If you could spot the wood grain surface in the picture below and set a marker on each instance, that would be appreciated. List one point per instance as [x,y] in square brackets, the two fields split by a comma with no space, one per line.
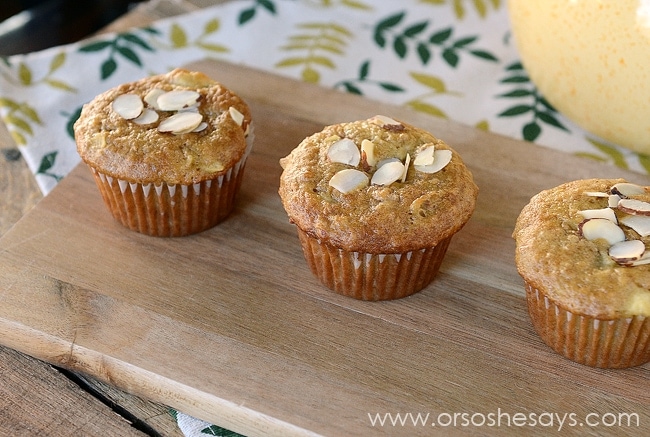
[35,397]
[230,325]
[77,414]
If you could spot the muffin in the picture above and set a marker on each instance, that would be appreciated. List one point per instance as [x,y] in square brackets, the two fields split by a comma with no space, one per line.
[375,203]
[581,250]
[167,152]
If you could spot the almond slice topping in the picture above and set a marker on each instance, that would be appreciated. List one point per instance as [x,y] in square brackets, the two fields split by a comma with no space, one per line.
[383,121]
[425,156]
[625,252]
[202,126]
[645,259]
[386,161]
[193,108]
[605,213]
[407,162]
[633,206]
[612,200]
[388,173]
[176,100]
[344,151]
[639,223]
[440,160]
[595,194]
[603,223]
[148,116]
[596,228]
[237,116]
[128,106]
[180,123]
[348,179]
[626,189]
[368,152]
[152,97]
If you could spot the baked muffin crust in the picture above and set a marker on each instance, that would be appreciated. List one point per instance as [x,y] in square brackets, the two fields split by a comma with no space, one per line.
[403,216]
[140,153]
[578,274]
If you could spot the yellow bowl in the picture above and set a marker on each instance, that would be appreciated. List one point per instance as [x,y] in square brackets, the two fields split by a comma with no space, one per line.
[591,60]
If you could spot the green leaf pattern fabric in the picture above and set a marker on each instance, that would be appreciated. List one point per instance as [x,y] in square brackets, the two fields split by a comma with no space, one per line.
[451,59]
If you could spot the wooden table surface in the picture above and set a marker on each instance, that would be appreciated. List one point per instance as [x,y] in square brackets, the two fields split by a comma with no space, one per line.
[35,397]
[467,336]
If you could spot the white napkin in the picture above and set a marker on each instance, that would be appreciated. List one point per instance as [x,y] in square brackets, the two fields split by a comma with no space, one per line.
[428,55]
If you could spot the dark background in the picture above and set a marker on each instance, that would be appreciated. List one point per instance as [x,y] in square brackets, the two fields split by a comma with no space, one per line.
[31,25]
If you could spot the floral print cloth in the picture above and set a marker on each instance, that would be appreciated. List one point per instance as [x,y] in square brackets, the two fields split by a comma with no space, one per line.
[452,59]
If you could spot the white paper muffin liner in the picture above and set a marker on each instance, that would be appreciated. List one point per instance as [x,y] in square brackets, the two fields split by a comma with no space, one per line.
[616,343]
[172,210]
[368,276]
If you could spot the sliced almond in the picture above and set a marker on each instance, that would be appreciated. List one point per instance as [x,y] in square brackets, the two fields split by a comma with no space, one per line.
[440,160]
[639,223]
[407,162]
[645,259]
[202,126]
[387,123]
[237,116]
[606,213]
[348,180]
[180,123]
[625,252]
[612,200]
[633,206]
[368,152]
[425,156]
[152,97]
[386,161]
[596,194]
[388,173]
[128,106]
[176,100]
[597,228]
[148,116]
[383,121]
[193,108]
[626,189]
[344,151]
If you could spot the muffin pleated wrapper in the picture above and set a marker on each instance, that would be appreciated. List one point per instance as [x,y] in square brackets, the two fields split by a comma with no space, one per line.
[172,210]
[616,343]
[370,276]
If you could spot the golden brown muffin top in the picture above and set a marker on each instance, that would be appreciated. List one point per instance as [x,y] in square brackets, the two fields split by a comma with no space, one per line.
[572,263]
[402,216]
[134,152]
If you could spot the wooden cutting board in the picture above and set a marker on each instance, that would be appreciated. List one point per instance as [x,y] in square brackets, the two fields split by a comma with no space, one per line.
[230,325]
